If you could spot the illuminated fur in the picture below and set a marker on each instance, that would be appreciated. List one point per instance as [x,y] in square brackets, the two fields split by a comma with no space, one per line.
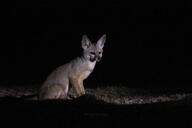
[57,84]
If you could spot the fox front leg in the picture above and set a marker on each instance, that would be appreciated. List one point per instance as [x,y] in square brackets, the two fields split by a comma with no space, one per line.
[82,89]
[76,86]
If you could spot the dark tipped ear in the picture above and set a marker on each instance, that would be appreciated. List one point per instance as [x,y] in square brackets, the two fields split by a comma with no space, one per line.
[85,42]
[101,41]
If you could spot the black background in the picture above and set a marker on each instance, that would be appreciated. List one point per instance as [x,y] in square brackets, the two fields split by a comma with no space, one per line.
[148,42]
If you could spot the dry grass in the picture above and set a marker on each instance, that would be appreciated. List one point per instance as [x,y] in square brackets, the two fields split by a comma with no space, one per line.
[123,95]
[112,94]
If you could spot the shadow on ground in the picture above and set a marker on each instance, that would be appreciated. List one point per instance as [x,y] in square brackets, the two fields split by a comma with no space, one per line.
[88,111]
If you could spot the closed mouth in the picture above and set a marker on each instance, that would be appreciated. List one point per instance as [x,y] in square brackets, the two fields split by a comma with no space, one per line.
[93,59]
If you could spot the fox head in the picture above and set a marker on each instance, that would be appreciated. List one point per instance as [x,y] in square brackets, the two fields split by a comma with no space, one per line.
[93,51]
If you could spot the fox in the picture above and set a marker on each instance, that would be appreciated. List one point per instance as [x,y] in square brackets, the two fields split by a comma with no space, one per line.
[72,74]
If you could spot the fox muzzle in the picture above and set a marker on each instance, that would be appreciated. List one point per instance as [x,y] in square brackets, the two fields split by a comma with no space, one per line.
[92,59]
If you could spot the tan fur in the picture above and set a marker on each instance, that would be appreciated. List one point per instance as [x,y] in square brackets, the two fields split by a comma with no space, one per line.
[57,83]
[77,82]
[53,92]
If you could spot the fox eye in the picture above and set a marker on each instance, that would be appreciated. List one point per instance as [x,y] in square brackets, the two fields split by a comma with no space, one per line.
[99,52]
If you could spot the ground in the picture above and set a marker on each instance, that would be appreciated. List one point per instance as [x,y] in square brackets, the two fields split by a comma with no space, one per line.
[114,106]
[111,94]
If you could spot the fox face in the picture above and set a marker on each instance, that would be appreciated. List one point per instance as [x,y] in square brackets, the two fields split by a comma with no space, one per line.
[93,51]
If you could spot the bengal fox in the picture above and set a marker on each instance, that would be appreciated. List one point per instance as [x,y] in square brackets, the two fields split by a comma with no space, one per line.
[73,73]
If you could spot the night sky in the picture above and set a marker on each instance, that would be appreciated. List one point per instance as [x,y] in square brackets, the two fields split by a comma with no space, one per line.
[148,43]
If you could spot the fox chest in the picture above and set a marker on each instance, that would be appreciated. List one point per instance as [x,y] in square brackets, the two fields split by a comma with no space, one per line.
[85,73]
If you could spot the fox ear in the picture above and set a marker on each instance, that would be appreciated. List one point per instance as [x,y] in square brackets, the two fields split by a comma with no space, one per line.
[101,41]
[85,42]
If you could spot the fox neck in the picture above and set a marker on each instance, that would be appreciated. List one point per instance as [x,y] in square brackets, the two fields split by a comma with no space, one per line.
[91,64]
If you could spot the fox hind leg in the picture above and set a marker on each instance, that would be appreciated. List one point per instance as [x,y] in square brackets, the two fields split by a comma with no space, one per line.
[63,94]
[55,91]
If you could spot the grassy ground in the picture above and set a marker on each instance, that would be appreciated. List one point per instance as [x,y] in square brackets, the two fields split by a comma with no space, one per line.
[101,107]
[112,94]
